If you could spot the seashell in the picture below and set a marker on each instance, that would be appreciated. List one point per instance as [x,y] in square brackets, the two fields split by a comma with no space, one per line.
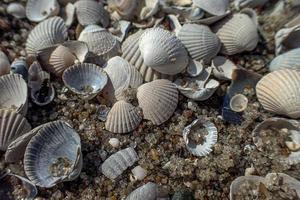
[12,125]
[288,60]
[125,8]
[46,34]
[19,66]
[139,173]
[119,162]
[200,42]
[210,19]
[238,103]
[17,10]
[223,68]
[4,64]
[229,115]
[214,7]
[13,90]
[39,10]
[114,142]
[162,51]
[36,76]
[195,68]
[151,8]
[149,191]
[123,117]
[69,14]
[91,12]
[102,112]
[278,92]
[44,95]
[158,100]
[249,3]
[287,38]
[53,155]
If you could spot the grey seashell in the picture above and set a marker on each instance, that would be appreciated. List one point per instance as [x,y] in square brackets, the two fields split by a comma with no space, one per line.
[195,68]
[288,60]
[39,10]
[214,7]
[119,162]
[45,95]
[223,68]
[53,155]
[287,38]
[238,103]
[249,3]
[4,64]
[19,66]
[200,42]
[149,191]
[17,10]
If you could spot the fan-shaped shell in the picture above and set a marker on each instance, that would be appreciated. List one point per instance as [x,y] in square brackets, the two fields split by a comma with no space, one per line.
[53,155]
[17,10]
[162,51]
[148,191]
[119,162]
[223,68]
[38,10]
[125,8]
[4,64]
[288,60]
[214,7]
[158,100]
[279,92]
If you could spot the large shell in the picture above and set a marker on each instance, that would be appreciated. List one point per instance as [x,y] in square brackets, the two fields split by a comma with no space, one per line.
[125,8]
[149,191]
[53,155]
[123,117]
[38,10]
[158,100]
[200,42]
[4,64]
[119,162]
[288,60]
[17,10]
[162,51]
[46,34]
[214,7]
[223,68]
[279,92]
[287,38]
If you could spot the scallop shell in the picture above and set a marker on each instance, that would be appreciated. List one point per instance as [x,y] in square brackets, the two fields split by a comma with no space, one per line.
[223,68]
[125,8]
[4,64]
[53,146]
[119,162]
[287,38]
[158,100]
[162,51]
[12,125]
[214,7]
[39,10]
[13,90]
[46,34]
[123,117]
[238,103]
[149,191]
[288,60]
[279,92]
[17,10]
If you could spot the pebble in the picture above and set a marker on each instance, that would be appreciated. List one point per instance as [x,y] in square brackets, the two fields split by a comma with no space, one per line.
[139,173]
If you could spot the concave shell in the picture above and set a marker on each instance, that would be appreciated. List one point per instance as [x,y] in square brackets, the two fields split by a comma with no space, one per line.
[149,191]
[36,76]
[210,19]
[287,38]
[238,103]
[13,90]
[123,117]
[38,10]
[279,92]
[119,162]
[223,68]
[162,51]
[85,79]
[17,10]
[125,8]
[158,100]
[91,12]
[12,125]
[46,34]
[200,42]
[46,96]
[195,68]
[53,146]
[214,7]
[288,60]
[4,64]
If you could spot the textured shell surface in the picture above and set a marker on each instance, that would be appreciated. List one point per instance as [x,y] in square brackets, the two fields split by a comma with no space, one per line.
[53,155]
[151,8]
[287,38]
[214,7]
[125,8]
[39,10]
[279,92]
[17,10]
[158,100]
[163,51]
[4,64]
[223,68]
[119,162]
[287,60]
[238,103]
[149,191]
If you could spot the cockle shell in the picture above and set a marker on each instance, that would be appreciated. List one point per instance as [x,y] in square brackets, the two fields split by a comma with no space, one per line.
[238,103]
[123,117]
[214,7]
[287,60]
[119,162]
[17,10]
[125,8]
[223,68]
[158,100]
[279,92]
[53,155]
[287,38]
[149,191]
[162,51]
[4,64]
[249,3]
[38,10]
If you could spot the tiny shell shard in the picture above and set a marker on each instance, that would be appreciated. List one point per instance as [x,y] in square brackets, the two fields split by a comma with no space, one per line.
[38,10]
[223,68]
[119,162]
[149,191]
[214,7]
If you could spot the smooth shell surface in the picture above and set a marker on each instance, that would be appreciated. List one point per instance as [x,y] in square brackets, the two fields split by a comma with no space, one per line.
[238,103]
[4,64]
[223,68]
[288,60]
[214,7]
[19,66]
[17,10]
[149,191]
[38,10]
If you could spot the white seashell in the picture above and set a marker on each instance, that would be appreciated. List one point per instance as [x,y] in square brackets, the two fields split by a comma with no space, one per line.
[114,142]
[119,162]
[223,68]
[123,117]
[149,191]
[139,173]
[17,10]
[125,8]
[288,60]
[39,10]
[158,100]
[19,66]
[4,64]
[200,42]
[151,8]
[279,92]
[249,3]
[195,68]
[214,7]
[287,38]
[53,155]
[238,103]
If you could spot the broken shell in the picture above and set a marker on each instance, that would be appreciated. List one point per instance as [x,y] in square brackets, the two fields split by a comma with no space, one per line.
[4,64]
[194,68]
[19,66]
[288,60]
[36,76]
[214,7]
[69,14]
[249,3]
[125,8]
[162,51]
[238,103]
[38,10]
[139,173]
[114,142]
[53,155]
[279,92]
[17,10]
[119,162]
[44,95]
[149,191]
[158,100]
[287,38]
[223,68]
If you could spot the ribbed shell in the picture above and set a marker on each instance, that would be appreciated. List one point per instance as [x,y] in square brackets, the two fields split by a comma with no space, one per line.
[158,100]
[12,125]
[123,117]
[38,10]
[119,162]
[279,92]
[149,191]
[4,64]
[45,34]
[57,140]
[200,42]
[214,7]
[17,10]
[288,60]
[163,51]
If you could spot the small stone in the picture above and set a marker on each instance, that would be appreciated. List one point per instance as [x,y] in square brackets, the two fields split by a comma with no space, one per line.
[139,173]
[249,171]
[114,142]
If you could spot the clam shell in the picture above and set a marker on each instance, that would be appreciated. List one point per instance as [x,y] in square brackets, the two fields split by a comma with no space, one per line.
[287,38]
[4,64]
[123,117]
[279,92]
[214,7]
[53,146]
[288,60]
[149,191]
[12,125]
[69,14]
[39,10]
[238,103]
[119,162]
[125,8]
[158,100]
[200,42]
[223,68]
[162,51]
[17,10]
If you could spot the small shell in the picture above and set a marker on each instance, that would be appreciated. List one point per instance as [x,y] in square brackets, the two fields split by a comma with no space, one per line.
[17,10]
[214,7]
[238,103]
[119,162]
[69,14]
[223,68]
[249,3]
[288,60]
[53,155]
[158,100]
[39,10]
[123,117]
[279,92]
[125,8]
[4,64]
[149,191]
[162,51]
[229,115]
[139,173]
[19,66]
[287,38]
[195,68]
[36,76]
